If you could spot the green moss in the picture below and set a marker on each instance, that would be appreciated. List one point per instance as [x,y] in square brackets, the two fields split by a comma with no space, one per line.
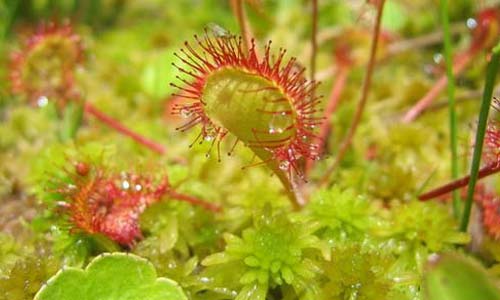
[275,251]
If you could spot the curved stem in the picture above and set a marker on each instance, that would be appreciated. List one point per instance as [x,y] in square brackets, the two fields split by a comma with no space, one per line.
[314,40]
[239,12]
[91,109]
[459,183]
[364,95]
[193,200]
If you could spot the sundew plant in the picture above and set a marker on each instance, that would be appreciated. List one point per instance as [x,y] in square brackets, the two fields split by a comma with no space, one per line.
[249,149]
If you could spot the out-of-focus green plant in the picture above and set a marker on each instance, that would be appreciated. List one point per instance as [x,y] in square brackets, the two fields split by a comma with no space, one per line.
[344,216]
[274,252]
[455,277]
[422,229]
[111,276]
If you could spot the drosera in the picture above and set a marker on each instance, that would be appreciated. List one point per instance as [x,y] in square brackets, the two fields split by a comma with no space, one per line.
[44,72]
[44,68]
[264,102]
[97,201]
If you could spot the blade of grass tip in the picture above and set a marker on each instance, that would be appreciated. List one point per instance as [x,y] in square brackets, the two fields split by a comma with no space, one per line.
[491,73]
[443,8]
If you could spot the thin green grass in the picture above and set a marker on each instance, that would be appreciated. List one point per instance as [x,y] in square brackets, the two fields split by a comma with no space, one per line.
[491,73]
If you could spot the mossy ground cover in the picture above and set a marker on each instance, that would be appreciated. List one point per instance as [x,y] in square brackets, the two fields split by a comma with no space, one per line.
[97,153]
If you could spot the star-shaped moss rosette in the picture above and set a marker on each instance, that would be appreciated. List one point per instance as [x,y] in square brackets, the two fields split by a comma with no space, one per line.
[358,273]
[274,252]
[44,69]
[116,276]
[343,215]
[268,106]
[423,229]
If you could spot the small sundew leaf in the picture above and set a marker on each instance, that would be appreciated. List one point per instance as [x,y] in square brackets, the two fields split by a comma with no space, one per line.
[116,276]
[452,277]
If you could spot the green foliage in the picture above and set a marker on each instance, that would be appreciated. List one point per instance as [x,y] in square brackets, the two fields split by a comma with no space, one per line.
[27,275]
[275,251]
[456,277]
[344,216]
[109,277]
[357,273]
[426,225]
[364,238]
[421,229]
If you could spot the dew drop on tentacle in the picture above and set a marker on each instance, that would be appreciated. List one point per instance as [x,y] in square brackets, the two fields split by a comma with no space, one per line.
[185,112]
[125,184]
[284,165]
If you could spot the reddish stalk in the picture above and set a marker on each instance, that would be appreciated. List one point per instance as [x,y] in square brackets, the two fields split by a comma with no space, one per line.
[246,32]
[91,109]
[458,67]
[483,37]
[364,94]
[314,40]
[331,107]
[193,200]
[461,182]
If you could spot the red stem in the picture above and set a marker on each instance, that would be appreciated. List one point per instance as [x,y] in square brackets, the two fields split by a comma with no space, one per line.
[91,109]
[314,40]
[193,200]
[364,95]
[461,182]
[238,10]
[458,67]
[331,107]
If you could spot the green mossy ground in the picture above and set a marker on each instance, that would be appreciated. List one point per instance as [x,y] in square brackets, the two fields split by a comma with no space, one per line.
[364,237]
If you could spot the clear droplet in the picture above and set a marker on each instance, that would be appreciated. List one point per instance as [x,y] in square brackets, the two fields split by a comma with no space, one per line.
[438,58]
[125,185]
[273,129]
[185,113]
[42,101]
[208,137]
[471,23]
[284,165]
[138,187]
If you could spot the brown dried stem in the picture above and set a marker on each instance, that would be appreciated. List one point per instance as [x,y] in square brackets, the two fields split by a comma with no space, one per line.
[364,95]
